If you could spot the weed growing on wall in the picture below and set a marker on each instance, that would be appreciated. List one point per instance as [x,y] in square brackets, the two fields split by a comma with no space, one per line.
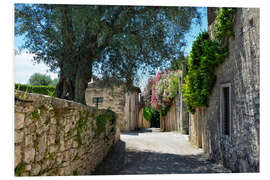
[19,170]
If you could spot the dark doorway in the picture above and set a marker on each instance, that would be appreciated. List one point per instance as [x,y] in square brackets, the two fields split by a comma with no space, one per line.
[155,119]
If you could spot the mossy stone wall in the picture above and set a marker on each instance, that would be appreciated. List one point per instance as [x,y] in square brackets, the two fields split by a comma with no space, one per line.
[59,137]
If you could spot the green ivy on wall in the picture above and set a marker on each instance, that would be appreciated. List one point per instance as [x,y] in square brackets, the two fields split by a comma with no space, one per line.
[102,119]
[223,25]
[205,56]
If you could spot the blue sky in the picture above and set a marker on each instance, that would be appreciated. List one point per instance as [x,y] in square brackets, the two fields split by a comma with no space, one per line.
[24,67]
[190,37]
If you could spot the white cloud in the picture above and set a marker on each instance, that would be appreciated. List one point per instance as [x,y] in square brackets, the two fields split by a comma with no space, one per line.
[24,67]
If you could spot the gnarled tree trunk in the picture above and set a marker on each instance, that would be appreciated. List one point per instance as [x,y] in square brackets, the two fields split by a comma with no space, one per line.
[80,88]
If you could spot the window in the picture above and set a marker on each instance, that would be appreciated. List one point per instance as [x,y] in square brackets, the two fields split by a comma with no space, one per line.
[97,100]
[225,109]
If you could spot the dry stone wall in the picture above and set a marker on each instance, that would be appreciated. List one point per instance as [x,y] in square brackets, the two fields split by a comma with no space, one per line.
[59,137]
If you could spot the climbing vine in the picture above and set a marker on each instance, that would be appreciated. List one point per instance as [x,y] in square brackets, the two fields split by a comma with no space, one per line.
[102,119]
[205,56]
[223,25]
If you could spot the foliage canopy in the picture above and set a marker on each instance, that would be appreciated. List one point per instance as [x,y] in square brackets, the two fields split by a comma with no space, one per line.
[108,41]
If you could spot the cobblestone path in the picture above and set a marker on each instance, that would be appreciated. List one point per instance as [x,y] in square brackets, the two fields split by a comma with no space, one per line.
[156,153]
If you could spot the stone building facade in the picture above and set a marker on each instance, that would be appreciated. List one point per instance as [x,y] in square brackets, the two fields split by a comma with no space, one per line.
[228,129]
[124,103]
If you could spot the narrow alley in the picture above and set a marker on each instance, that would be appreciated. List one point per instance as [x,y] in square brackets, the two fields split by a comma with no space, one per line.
[154,152]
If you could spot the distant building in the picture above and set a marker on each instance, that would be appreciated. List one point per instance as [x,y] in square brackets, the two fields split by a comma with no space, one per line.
[124,102]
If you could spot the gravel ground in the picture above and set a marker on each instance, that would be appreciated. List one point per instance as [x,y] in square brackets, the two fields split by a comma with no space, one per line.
[154,152]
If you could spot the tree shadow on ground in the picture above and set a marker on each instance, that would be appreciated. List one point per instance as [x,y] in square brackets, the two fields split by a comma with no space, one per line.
[131,133]
[123,162]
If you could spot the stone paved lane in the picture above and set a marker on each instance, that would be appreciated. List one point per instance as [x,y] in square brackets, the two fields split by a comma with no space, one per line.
[156,153]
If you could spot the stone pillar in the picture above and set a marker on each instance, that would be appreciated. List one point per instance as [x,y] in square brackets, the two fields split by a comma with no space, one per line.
[184,115]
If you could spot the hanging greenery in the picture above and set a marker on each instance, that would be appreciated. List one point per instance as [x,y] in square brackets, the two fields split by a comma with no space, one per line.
[205,56]
[223,25]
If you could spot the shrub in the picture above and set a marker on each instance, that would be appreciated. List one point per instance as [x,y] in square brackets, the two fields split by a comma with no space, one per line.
[150,114]
[165,88]
[205,55]
[46,90]
[147,113]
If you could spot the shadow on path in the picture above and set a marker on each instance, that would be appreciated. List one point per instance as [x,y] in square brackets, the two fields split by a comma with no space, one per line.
[143,130]
[122,162]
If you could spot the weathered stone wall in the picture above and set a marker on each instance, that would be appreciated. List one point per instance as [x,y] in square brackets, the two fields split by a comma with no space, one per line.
[59,137]
[131,112]
[240,150]
[142,122]
[170,122]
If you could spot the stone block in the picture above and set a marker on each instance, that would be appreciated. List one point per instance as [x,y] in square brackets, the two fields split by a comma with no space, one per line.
[19,120]
[29,154]
[68,144]
[64,164]
[59,159]
[28,140]
[53,129]
[18,136]
[53,120]
[66,156]
[42,144]
[62,146]
[28,120]
[51,139]
[75,144]
[52,148]
[39,156]
[67,127]
[28,167]
[43,129]
[18,156]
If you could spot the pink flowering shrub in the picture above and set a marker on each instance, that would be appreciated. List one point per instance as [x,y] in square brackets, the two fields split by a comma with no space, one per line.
[165,87]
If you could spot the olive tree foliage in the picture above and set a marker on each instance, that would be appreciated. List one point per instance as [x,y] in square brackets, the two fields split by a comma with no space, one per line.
[109,41]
